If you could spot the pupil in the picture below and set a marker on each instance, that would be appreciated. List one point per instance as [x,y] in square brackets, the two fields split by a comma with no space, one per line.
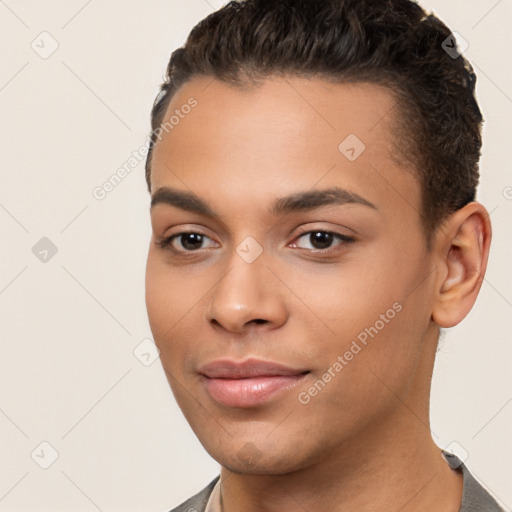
[321,239]
[191,240]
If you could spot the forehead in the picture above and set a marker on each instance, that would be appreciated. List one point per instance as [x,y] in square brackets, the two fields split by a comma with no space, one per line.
[287,133]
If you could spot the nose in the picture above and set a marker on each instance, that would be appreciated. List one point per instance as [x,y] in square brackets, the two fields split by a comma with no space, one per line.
[249,296]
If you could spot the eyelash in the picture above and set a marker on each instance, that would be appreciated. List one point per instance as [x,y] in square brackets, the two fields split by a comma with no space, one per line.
[343,239]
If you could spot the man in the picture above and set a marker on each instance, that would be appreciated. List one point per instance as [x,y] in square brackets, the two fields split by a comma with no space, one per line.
[312,169]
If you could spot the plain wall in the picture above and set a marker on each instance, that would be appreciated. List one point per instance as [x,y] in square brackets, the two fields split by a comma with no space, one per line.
[69,325]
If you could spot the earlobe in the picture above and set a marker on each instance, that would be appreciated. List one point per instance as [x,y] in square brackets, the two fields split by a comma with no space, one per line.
[463,249]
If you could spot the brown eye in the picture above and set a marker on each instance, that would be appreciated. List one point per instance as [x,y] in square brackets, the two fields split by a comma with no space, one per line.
[185,242]
[190,241]
[322,240]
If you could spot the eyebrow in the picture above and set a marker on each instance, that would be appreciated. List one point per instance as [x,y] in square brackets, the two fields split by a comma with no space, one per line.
[297,202]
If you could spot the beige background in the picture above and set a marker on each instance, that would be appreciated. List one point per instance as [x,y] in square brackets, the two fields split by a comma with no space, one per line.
[70,325]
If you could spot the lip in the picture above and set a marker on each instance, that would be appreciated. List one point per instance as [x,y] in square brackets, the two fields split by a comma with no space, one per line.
[252,367]
[250,382]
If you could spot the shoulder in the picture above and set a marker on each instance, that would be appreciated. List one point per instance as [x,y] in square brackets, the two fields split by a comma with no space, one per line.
[474,497]
[197,503]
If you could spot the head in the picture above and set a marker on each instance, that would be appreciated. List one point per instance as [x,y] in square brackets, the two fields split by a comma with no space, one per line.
[325,168]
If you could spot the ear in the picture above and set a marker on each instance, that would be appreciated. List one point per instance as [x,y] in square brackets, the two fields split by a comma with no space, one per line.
[462,249]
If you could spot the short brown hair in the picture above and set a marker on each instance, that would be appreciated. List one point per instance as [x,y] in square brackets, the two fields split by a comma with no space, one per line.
[394,43]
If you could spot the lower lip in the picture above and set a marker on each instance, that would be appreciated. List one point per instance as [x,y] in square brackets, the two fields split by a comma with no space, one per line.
[249,392]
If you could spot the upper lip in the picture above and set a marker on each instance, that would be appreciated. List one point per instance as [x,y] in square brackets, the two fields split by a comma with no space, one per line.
[229,369]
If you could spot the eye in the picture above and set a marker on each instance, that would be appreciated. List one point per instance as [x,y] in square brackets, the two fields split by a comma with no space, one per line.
[185,242]
[318,240]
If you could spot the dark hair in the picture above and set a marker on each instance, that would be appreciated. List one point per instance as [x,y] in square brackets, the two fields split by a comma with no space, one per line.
[394,43]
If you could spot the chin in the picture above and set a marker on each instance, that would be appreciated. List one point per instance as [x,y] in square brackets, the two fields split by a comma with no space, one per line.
[250,460]
[259,468]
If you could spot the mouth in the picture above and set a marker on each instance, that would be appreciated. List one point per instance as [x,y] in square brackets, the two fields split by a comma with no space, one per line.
[248,383]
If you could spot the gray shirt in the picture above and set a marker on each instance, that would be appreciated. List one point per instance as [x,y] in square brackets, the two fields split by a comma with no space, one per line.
[474,497]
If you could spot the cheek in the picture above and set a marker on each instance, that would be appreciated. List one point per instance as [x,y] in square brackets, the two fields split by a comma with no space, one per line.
[363,312]
[166,301]
[168,292]
[156,295]
[365,372]
[175,307]
[383,352]
[339,301]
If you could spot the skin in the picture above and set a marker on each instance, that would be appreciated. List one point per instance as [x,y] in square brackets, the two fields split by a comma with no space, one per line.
[352,446]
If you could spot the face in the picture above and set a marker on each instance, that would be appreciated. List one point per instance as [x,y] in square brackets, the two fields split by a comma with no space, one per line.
[285,231]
